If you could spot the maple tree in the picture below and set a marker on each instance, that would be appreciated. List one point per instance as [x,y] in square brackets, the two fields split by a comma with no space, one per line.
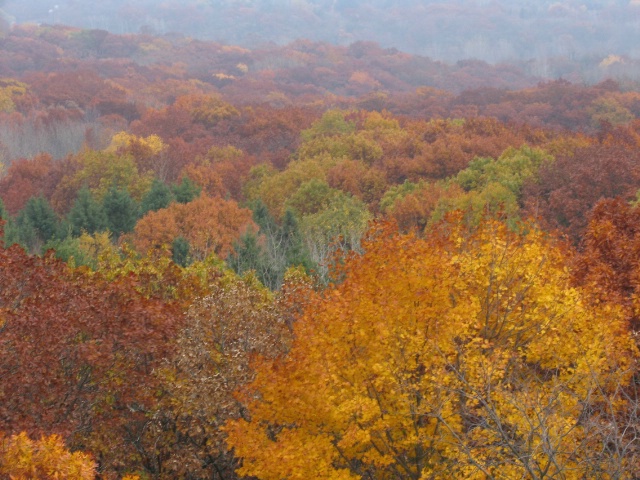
[77,354]
[465,354]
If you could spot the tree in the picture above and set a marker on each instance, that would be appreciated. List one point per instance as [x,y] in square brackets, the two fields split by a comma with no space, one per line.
[46,459]
[87,215]
[237,320]
[276,248]
[36,224]
[180,251]
[310,198]
[336,228]
[209,225]
[150,153]
[159,196]
[121,211]
[567,189]
[607,260]
[186,191]
[274,190]
[332,123]
[77,356]
[101,172]
[26,178]
[413,205]
[460,355]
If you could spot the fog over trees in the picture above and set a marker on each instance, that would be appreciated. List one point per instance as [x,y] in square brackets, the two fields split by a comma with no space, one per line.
[493,31]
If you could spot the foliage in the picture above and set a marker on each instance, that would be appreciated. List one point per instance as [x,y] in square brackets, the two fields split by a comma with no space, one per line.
[45,459]
[185,191]
[332,123]
[464,355]
[137,159]
[159,196]
[511,170]
[36,224]
[210,225]
[413,206]
[77,355]
[270,253]
[206,109]
[569,188]
[224,330]
[607,261]
[87,215]
[103,171]
[180,251]
[274,190]
[11,90]
[155,276]
[337,228]
[121,211]
[26,178]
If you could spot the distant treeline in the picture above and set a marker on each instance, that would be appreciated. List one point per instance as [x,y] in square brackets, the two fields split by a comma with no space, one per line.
[547,36]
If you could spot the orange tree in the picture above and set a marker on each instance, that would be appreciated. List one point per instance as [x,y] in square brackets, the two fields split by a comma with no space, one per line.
[210,225]
[460,355]
[47,459]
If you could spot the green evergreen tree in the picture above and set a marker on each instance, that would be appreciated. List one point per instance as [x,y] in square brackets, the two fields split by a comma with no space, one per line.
[86,214]
[159,196]
[11,234]
[68,250]
[186,191]
[9,231]
[121,211]
[296,251]
[180,252]
[35,224]
[248,255]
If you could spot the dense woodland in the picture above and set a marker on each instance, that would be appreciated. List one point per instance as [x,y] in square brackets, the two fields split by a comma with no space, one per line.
[312,261]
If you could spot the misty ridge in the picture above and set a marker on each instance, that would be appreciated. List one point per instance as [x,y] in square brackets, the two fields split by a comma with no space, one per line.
[547,38]
[414,58]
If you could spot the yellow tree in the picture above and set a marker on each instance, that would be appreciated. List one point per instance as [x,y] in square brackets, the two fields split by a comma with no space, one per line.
[100,171]
[44,459]
[460,355]
[150,153]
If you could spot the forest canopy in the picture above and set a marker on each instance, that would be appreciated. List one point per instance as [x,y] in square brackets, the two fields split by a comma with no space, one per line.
[313,260]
